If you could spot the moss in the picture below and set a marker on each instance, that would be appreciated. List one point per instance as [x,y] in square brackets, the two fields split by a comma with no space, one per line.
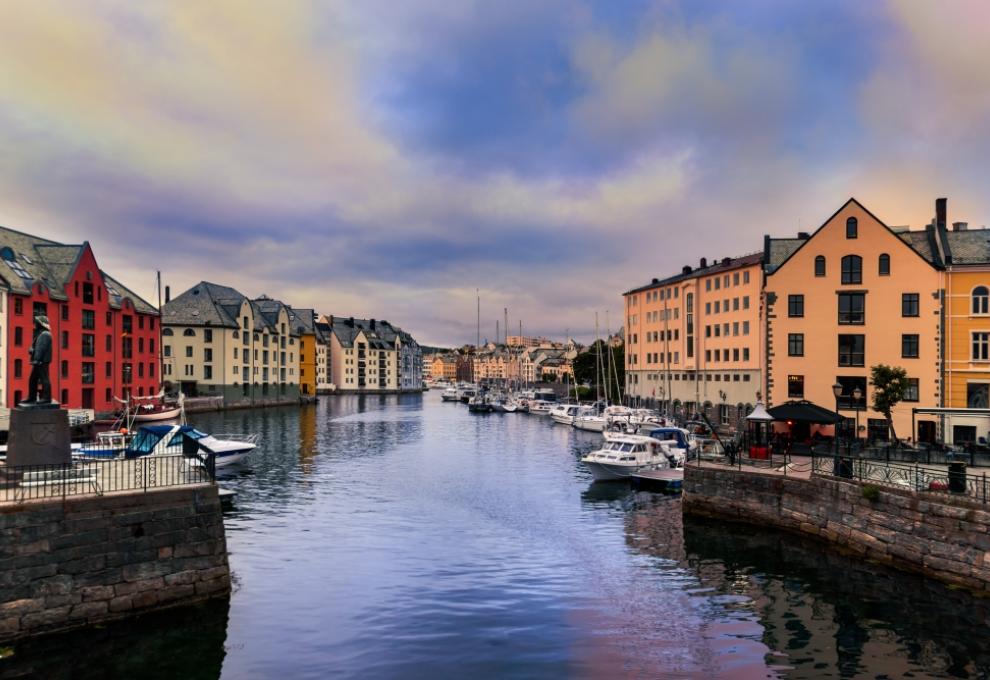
[871,493]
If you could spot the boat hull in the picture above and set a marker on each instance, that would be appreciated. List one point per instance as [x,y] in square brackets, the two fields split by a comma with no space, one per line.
[562,420]
[604,472]
[590,425]
[170,414]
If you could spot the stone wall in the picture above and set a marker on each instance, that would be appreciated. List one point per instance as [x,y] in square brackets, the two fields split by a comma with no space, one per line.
[941,536]
[92,559]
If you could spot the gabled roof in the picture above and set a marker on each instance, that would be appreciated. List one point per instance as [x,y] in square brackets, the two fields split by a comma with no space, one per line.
[716,267]
[302,321]
[379,334]
[31,259]
[205,304]
[967,247]
[779,251]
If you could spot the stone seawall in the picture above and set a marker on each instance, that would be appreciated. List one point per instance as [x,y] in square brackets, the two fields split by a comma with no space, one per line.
[93,559]
[940,536]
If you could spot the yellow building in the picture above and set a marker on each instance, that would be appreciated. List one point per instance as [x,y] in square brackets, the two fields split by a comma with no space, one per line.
[854,294]
[693,340]
[967,329]
[303,322]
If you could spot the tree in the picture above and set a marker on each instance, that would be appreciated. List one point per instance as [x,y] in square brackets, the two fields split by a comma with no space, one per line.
[889,383]
[586,373]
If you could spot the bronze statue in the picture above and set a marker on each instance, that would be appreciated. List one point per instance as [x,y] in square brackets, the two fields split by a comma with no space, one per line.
[41,358]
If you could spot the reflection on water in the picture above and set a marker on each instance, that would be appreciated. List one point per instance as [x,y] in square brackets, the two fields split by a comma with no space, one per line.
[400,537]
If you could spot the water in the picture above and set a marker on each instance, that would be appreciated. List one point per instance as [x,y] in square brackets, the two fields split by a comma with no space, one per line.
[400,537]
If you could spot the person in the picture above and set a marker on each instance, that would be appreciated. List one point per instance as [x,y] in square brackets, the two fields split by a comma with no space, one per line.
[41,357]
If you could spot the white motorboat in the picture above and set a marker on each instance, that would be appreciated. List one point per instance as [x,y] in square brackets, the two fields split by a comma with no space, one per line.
[539,407]
[622,455]
[450,394]
[465,393]
[591,422]
[565,414]
[510,406]
[171,439]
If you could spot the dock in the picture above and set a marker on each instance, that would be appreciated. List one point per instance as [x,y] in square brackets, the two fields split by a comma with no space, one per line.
[669,481]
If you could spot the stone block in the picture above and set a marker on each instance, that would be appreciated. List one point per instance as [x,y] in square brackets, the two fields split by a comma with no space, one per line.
[148,598]
[121,604]
[182,578]
[145,570]
[39,437]
[9,626]
[177,593]
[20,607]
[83,565]
[89,610]
[46,619]
[138,586]
[213,586]
[92,593]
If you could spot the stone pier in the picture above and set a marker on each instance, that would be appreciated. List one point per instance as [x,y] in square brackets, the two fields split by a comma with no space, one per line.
[90,559]
[939,535]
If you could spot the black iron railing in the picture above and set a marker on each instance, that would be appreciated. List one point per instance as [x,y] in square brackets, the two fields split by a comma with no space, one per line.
[98,476]
[955,479]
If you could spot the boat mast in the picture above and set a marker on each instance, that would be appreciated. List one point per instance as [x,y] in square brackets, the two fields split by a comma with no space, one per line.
[161,350]
[598,363]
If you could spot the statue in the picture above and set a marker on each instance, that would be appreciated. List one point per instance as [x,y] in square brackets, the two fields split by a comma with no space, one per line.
[41,358]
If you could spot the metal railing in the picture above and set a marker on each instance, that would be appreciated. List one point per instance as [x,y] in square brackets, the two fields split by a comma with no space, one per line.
[954,480]
[99,476]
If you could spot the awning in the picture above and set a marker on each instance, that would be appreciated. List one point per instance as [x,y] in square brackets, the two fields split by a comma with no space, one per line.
[759,414]
[804,412]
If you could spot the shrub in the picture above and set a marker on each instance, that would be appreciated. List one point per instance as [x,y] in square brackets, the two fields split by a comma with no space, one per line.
[871,493]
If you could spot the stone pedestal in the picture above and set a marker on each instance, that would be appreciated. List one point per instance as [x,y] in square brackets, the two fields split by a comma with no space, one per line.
[39,436]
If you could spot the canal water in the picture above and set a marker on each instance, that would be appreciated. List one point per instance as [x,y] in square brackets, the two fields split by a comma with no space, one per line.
[402,537]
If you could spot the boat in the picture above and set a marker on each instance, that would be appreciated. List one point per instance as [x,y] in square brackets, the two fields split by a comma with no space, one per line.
[623,455]
[480,404]
[153,440]
[539,407]
[153,408]
[509,406]
[450,394]
[565,414]
[591,422]
[110,444]
[466,392]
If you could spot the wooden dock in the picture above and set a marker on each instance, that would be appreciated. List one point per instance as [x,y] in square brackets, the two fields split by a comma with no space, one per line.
[669,481]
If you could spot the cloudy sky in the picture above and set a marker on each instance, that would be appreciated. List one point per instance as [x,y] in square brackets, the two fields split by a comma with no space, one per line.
[385,159]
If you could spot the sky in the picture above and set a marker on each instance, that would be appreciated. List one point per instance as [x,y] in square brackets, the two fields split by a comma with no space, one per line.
[387,159]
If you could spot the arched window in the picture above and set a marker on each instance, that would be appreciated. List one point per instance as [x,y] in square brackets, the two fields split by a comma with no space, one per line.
[981,300]
[820,265]
[852,269]
[189,333]
[167,332]
[884,265]
[852,228]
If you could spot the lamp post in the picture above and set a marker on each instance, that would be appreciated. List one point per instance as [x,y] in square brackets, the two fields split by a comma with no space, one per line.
[857,394]
[837,391]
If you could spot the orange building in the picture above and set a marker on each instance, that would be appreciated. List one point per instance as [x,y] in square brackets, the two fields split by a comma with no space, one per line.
[855,294]
[693,341]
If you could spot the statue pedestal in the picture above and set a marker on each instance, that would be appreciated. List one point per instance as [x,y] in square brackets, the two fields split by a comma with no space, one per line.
[39,436]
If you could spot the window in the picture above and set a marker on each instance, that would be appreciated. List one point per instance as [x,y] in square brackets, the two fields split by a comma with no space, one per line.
[109,369]
[795,345]
[981,346]
[127,347]
[127,372]
[88,374]
[88,320]
[208,335]
[852,308]
[65,339]
[18,369]
[978,395]
[189,352]
[795,305]
[167,350]
[909,346]
[109,343]
[852,269]
[88,345]
[18,334]
[883,265]
[207,354]
[852,228]
[189,333]
[909,304]
[981,300]
[18,306]
[128,324]
[795,386]
[65,368]
[820,265]
[87,293]
[207,372]
[167,332]
[852,350]
[912,391]
[65,312]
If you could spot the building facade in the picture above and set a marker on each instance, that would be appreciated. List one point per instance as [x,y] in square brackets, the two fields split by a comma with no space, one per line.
[370,355]
[218,342]
[324,382]
[693,340]
[105,338]
[853,295]
[303,322]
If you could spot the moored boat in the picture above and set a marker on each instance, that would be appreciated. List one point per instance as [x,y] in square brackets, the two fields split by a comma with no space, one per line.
[450,394]
[172,439]
[622,455]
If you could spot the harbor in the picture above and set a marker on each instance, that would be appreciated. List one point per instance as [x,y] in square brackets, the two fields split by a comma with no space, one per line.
[443,543]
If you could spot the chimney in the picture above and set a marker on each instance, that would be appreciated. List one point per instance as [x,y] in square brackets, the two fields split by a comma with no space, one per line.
[656,281]
[350,321]
[168,294]
[803,235]
[703,263]
[372,324]
[686,269]
[960,226]
[726,261]
[940,205]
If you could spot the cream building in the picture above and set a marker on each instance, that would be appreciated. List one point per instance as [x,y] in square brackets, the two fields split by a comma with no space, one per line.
[368,355]
[218,342]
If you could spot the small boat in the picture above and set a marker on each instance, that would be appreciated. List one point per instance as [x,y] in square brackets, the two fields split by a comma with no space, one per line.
[466,393]
[623,455]
[173,439]
[539,407]
[591,422]
[109,444]
[154,408]
[565,414]
[480,404]
[510,406]
[450,394]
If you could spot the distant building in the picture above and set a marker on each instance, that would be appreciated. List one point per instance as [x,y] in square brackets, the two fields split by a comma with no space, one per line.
[369,355]
[218,342]
[105,337]
[324,381]
[525,341]
[303,322]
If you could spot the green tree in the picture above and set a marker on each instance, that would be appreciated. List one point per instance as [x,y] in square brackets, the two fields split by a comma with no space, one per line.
[889,383]
[587,373]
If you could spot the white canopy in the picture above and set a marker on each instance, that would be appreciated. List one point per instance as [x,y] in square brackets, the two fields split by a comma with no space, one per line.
[759,414]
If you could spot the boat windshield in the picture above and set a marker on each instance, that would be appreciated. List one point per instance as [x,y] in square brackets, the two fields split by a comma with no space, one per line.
[145,441]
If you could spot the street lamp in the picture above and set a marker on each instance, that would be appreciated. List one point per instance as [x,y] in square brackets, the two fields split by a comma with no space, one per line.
[857,394]
[837,391]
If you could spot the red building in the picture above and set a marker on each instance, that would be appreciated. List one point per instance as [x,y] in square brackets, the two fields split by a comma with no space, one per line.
[105,339]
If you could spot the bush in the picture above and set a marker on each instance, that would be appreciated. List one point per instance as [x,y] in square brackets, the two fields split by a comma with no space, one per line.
[871,493]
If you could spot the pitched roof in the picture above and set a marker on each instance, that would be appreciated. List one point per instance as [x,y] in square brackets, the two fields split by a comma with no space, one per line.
[205,304]
[968,247]
[717,267]
[380,334]
[28,259]
[777,250]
